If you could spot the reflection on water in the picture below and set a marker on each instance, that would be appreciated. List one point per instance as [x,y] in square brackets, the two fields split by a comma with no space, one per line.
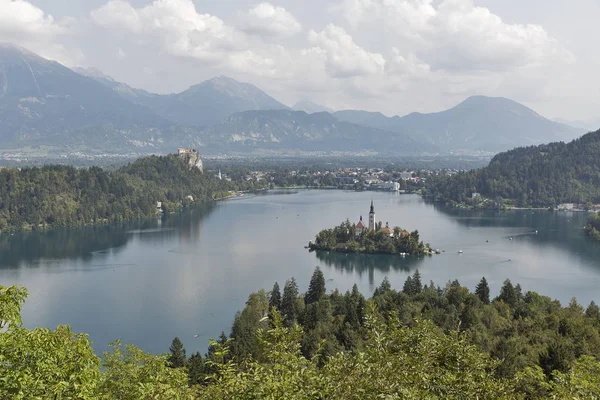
[367,263]
[547,228]
[87,243]
[185,274]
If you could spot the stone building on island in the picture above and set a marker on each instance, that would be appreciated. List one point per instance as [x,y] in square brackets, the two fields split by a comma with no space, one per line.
[360,227]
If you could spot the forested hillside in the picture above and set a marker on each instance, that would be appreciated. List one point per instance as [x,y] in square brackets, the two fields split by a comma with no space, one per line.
[536,176]
[54,196]
[419,342]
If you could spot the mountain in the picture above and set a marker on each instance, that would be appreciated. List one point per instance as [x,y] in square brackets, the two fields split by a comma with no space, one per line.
[141,97]
[310,107]
[42,101]
[296,130]
[479,123]
[204,104]
[536,176]
[590,124]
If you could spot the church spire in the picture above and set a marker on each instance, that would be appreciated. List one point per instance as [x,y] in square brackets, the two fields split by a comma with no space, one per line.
[372,217]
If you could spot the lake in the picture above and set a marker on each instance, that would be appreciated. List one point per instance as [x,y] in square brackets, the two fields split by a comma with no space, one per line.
[184,275]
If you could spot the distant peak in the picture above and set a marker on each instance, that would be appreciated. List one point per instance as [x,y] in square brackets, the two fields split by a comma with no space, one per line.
[16,48]
[92,72]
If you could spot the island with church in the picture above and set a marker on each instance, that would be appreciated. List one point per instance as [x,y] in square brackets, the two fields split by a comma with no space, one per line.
[373,238]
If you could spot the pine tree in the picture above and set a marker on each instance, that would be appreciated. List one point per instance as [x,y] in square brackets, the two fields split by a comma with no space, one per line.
[508,294]
[195,369]
[177,359]
[289,306]
[275,297]
[385,286]
[316,288]
[408,286]
[482,290]
[416,281]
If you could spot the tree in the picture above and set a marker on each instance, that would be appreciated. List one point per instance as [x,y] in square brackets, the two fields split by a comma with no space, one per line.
[195,366]
[416,282]
[131,374]
[508,294]
[482,290]
[385,286]
[275,297]
[11,301]
[177,359]
[408,286]
[316,288]
[289,305]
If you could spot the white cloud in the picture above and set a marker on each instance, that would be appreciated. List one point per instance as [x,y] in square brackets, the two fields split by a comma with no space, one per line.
[24,24]
[343,57]
[175,25]
[21,18]
[267,19]
[456,34]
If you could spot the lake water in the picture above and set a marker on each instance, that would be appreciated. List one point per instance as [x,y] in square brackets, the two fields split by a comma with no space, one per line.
[147,282]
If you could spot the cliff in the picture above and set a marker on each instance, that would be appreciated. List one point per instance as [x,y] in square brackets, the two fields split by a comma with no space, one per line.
[192,158]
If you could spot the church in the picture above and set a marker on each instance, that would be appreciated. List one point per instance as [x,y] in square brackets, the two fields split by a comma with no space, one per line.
[360,226]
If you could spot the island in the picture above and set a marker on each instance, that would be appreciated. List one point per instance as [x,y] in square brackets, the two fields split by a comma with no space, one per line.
[592,229]
[372,239]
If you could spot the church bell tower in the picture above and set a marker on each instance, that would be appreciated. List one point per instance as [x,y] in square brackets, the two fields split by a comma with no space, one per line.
[372,217]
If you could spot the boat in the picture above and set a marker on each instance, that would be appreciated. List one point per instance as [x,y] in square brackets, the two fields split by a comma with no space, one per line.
[460,252]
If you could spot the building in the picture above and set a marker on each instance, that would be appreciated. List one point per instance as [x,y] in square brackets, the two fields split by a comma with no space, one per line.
[389,231]
[181,150]
[372,217]
[359,228]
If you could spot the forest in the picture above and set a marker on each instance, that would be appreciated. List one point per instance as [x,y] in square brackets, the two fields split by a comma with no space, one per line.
[592,229]
[535,176]
[378,241]
[420,341]
[59,196]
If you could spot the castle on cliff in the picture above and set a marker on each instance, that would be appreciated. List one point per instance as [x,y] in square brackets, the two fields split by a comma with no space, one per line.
[191,157]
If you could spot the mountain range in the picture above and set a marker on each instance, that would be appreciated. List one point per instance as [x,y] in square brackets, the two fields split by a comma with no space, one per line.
[490,124]
[45,103]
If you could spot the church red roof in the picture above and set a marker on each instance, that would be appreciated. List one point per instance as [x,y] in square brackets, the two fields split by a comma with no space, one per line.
[360,224]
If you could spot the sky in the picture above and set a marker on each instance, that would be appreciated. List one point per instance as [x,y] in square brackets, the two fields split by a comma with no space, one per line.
[393,56]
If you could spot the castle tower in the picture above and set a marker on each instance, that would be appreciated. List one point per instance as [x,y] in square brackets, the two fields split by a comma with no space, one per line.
[372,217]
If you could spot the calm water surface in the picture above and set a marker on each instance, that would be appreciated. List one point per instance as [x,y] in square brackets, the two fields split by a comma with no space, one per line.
[146,282]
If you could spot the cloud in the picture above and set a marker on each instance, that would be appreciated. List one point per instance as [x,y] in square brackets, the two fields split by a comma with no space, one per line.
[343,57]
[175,25]
[264,18]
[456,34]
[24,24]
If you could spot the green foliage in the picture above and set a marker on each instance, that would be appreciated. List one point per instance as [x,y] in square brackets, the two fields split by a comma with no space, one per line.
[275,297]
[177,358]
[45,364]
[535,176]
[246,323]
[316,288]
[289,302]
[195,366]
[415,344]
[482,290]
[593,227]
[131,374]
[343,238]
[57,196]
[11,301]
